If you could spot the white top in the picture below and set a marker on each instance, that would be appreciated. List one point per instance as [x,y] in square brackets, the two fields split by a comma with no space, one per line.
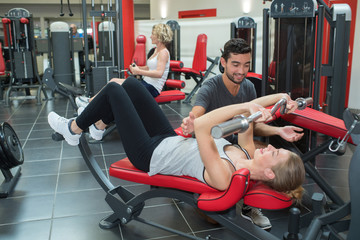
[180,156]
[158,83]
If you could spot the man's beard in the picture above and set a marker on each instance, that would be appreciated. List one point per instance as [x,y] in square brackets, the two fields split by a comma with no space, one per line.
[232,78]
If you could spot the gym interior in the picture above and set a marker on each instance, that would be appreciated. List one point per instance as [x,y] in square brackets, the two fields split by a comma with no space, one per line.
[51,190]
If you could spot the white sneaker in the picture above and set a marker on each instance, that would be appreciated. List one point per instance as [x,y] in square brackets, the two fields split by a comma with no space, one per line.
[95,133]
[82,101]
[256,217]
[61,125]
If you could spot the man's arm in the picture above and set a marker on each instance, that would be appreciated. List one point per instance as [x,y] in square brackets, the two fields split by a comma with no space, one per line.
[188,122]
[288,133]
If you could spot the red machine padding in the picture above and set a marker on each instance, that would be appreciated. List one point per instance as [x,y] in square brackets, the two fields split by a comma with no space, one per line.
[2,62]
[200,58]
[318,121]
[180,132]
[210,199]
[188,70]
[173,83]
[24,20]
[139,56]
[6,20]
[176,64]
[123,169]
[221,201]
[170,95]
[261,196]
[254,75]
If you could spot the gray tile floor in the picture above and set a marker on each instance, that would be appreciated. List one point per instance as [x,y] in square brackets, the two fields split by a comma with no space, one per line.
[56,196]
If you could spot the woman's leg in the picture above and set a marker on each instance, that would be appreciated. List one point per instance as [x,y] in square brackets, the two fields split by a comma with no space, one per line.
[153,118]
[113,102]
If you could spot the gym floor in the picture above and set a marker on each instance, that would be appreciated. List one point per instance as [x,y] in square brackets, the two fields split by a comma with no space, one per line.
[56,196]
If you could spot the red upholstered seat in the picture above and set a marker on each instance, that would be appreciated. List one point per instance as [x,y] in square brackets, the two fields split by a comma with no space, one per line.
[2,62]
[198,72]
[210,199]
[200,58]
[139,56]
[170,95]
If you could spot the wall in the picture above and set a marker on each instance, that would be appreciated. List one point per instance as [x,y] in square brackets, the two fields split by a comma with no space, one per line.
[217,31]
[230,8]
[354,96]
[216,28]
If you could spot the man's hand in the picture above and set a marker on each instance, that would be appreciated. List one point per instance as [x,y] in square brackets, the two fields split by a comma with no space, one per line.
[188,124]
[290,133]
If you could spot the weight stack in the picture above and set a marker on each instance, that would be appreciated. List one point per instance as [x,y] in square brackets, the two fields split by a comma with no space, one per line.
[61,52]
[23,65]
[101,76]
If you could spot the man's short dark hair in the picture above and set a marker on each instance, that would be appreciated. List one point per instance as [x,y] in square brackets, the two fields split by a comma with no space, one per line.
[237,46]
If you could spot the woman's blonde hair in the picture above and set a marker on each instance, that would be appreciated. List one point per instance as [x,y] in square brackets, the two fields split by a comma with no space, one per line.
[289,177]
[163,33]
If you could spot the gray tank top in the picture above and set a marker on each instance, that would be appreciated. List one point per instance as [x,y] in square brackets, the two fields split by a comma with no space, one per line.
[180,156]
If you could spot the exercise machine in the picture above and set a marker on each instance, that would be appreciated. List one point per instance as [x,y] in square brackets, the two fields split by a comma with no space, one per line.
[245,28]
[199,71]
[298,34]
[61,56]
[20,44]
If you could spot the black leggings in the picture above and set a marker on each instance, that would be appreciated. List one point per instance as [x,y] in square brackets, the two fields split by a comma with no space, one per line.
[140,121]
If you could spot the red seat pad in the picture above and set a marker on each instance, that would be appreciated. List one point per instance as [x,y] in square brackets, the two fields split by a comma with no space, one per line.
[170,95]
[261,196]
[124,169]
[188,70]
[318,121]
[210,199]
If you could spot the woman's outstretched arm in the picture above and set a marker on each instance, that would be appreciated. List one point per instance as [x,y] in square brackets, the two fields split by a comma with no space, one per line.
[217,172]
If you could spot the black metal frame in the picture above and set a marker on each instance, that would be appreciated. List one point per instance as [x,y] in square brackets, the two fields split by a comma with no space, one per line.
[11,49]
[199,78]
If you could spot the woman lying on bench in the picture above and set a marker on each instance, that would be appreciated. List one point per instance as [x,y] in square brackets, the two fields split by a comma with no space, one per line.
[152,145]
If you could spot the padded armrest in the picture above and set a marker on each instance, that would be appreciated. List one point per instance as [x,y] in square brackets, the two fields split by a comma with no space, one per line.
[176,64]
[173,83]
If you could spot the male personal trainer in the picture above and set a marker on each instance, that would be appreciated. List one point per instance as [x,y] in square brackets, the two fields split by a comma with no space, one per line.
[232,87]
